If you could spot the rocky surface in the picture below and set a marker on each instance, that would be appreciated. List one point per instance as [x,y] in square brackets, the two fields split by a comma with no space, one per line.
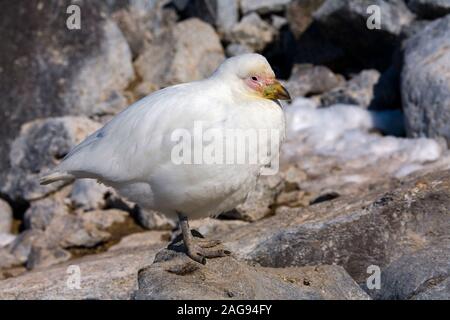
[355,232]
[174,276]
[189,51]
[110,275]
[57,72]
[42,143]
[429,9]
[422,275]
[426,81]
[364,168]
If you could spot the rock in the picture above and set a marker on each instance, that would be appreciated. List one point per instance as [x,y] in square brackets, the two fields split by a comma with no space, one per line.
[307,79]
[7,259]
[190,51]
[88,194]
[235,49]
[44,255]
[23,244]
[258,203]
[263,6]
[299,14]
[142,239]
[338,150]
[425,82]
[6,239]
[174,276]
[355,231]
[141,21]
[153,220]
[41,212]
[359,90]
[223,14]
[6,217]
[41,145]
[109,275]
[277,21]
[346,18]
[422,275]
[252,32]
[210,227]
[53,71]
[429,9]
[104,219]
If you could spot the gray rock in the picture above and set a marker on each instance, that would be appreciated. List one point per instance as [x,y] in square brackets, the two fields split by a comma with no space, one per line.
[153,220]
[41,212]
[342,140]
[258,203]
[425,84]
[41,145]
[53,71]
[174,276]
[307,79]
[6,217]
[190,51]
[299,14]
[7,259]
[223,14]
[429,9]
[88,194]
[263,6]
[359,90]
[422,275]
[348,20]
[235,49]
[210,227]
[141,239]
[141,21]
[23,244]
[44,255]
[253,32]
[6,239]
[110,275]
[355,231]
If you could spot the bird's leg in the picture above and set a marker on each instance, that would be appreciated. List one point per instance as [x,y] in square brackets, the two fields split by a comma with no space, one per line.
[199,249]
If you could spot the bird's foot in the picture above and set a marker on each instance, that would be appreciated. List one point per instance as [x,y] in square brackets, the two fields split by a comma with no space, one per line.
[207,243]
[200,250]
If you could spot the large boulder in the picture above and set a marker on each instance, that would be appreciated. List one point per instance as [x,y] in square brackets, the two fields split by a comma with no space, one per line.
[189,51]
[429,9]
[174,276]
[353,231]
[426,81]
[49,70]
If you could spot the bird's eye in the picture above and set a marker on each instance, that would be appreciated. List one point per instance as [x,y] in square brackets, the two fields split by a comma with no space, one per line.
[255,78]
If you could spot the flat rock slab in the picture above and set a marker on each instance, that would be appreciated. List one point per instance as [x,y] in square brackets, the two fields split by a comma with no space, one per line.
[353,231]
[110,275]
[175,276]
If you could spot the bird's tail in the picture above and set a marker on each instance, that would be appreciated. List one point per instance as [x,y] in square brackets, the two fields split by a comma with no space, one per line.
[56,176]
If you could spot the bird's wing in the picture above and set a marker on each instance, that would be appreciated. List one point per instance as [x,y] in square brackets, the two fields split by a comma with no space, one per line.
[138,140]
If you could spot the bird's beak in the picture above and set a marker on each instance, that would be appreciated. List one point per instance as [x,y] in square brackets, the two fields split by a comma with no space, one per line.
[275,91]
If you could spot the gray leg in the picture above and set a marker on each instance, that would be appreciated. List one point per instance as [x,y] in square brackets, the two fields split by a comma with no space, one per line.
[199,249]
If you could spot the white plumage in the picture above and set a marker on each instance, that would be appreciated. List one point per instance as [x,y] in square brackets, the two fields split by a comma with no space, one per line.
[132,153]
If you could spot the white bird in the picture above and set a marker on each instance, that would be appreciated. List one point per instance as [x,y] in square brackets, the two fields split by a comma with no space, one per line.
[133,152]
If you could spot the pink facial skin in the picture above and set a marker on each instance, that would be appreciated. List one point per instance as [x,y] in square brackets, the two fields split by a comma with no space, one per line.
[258,83]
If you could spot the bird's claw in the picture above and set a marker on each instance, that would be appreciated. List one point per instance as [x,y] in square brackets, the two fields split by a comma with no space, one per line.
[205,249]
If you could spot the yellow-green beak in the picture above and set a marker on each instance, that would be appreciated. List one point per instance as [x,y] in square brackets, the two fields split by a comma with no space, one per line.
[276,91]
